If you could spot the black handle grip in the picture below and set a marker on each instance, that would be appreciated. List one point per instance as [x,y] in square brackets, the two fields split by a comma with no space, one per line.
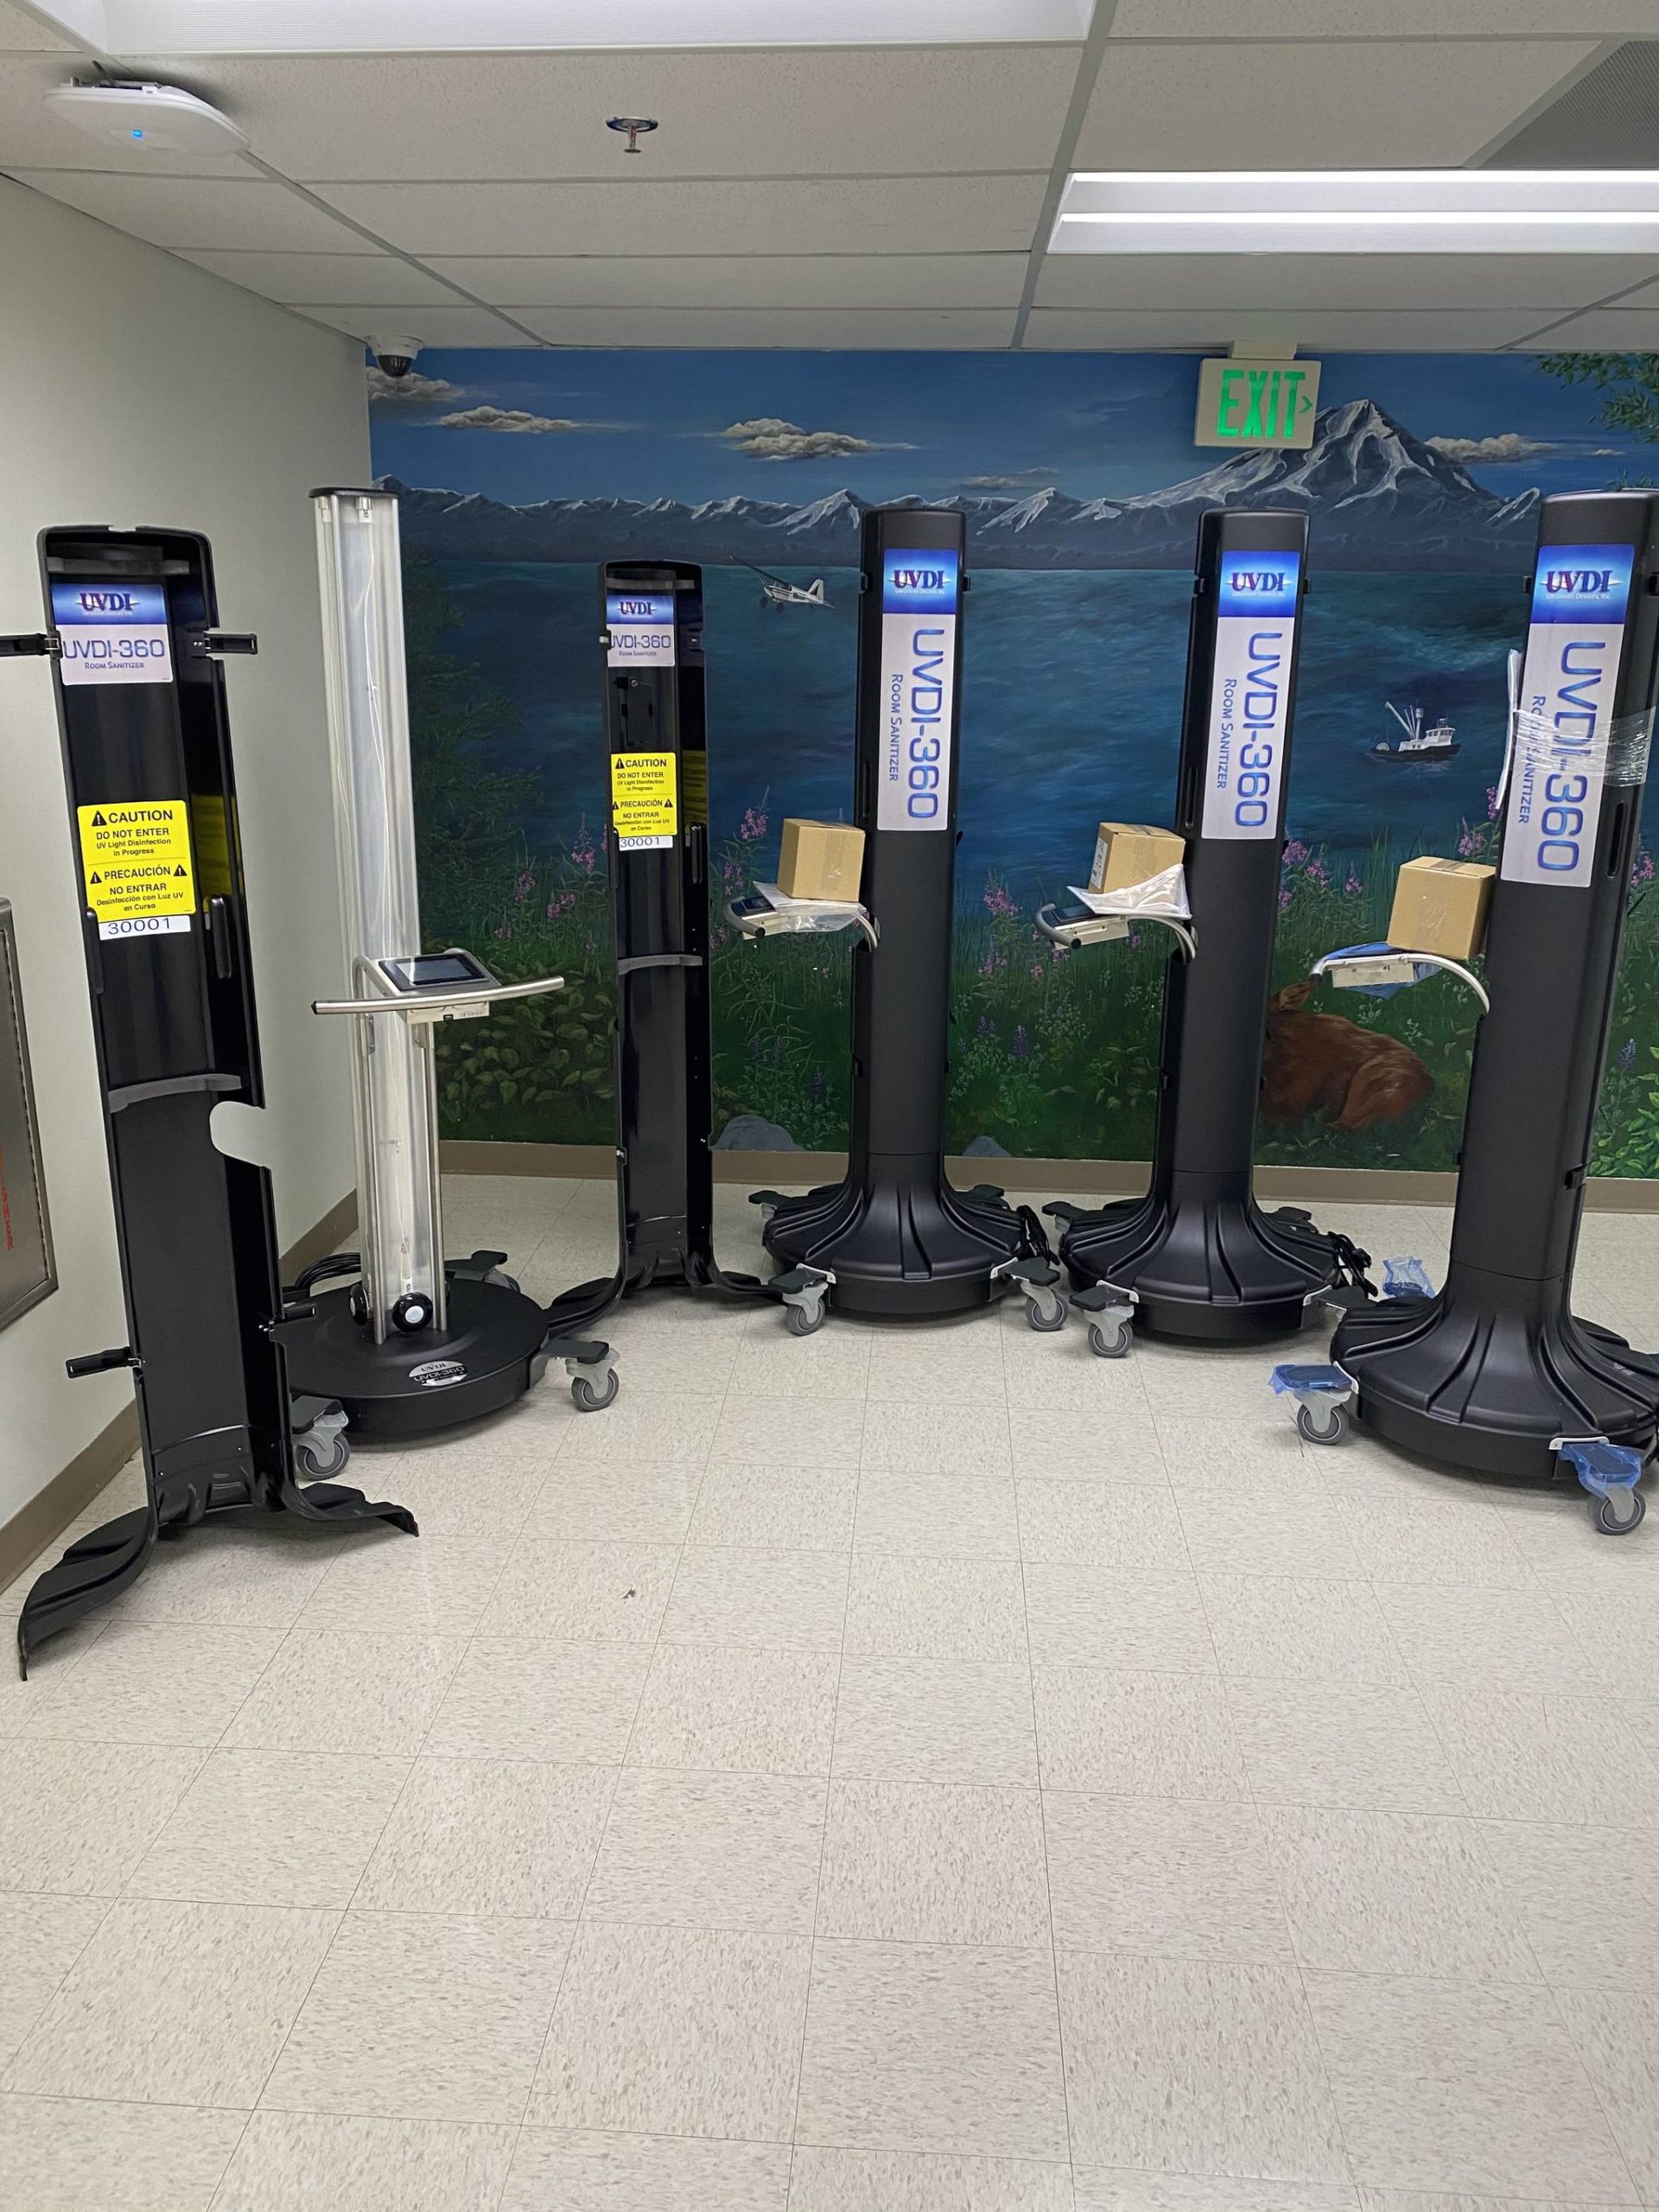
[219,936]
[98,1363]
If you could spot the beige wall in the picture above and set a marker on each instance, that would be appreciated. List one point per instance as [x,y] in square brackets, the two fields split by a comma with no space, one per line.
[135,389]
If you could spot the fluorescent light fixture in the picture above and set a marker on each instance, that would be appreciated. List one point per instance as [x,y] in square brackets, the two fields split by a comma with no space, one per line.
[1360,211]
[154,27]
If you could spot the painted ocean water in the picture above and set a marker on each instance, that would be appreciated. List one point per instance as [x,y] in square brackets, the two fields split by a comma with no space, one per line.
[1072,702]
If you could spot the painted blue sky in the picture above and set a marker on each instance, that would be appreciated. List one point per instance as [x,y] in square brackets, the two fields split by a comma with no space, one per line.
[650,425]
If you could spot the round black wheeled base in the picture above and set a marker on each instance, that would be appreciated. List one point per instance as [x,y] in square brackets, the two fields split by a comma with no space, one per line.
[901,1249]
[1488,1374]
[1204,1269]
[408,1386]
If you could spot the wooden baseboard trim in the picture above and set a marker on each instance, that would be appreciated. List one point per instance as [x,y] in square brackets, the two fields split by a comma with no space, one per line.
[70,1492]
[1370,1186]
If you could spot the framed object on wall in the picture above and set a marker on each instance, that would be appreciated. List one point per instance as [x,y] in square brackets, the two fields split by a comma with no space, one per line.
[27,1272]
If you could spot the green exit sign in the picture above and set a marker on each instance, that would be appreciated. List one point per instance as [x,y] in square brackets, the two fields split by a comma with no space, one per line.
[1256,402]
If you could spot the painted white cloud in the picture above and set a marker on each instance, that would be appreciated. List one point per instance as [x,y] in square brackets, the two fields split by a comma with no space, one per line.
[511,419]
[768,437]
[1016,482]
[414,389]
[1503,445]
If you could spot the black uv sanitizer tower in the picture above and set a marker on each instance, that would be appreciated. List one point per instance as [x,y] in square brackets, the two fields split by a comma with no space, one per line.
[657,763]
[1200,1258]
[152,797]
[895,1238]
[1494,1372]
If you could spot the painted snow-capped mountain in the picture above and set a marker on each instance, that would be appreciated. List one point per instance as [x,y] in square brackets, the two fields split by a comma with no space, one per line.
[1375,496]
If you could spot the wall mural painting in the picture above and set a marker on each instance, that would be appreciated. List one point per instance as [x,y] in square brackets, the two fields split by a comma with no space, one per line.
[519,472]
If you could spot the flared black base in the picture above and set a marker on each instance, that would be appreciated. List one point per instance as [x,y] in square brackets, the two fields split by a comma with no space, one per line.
[908,1246]
[1206,1269]
[490,1352]
[100,1565]
[1490,1374]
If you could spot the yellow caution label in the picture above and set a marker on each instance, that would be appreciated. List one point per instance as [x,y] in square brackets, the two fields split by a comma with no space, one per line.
[645,800]
[134,858]
[210,832]
[695,766]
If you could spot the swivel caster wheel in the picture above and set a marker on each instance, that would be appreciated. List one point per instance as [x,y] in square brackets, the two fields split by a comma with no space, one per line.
[589,1399]
[1322,1424]
[1110,1339]
[802,1322]
[322,1450]
[1046,1314]
[1619,1512]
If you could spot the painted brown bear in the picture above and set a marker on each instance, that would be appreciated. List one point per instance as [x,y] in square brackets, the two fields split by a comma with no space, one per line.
[1323,1064]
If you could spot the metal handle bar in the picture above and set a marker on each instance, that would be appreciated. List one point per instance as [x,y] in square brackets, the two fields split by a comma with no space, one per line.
[422,1006]
[755,924]
[1070,935]
[1334,960]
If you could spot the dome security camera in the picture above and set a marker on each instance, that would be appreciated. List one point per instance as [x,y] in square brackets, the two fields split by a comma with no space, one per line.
[394,357]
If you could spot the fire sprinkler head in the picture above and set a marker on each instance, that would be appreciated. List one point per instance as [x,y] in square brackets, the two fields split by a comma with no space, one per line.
[634,125]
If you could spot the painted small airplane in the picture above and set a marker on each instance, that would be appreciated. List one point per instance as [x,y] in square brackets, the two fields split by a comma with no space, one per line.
[774,591]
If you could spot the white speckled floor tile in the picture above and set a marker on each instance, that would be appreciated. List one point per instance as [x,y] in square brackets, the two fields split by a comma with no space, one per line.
[254,1575]
[1083,1616]
[41,1938]
[1466,1545]
[646,1427]
[1615,2033]
[1126,1526]
[1310,1743]
[517,1697]
[1265,1532]
[947,1438]
[416,2016]
[592,1502]
[303,2161]
[337,1689]
[950,1363]
[1080,1439]
[1585,1897]
[1217,1458]
[73,1817]
[1136,1735]
[1171,1877]
[432,1585]
[1290,1628]
[1099,2189]
[1474,1638]
[1442,2086]
[737,1710]
[160,1685]
[175,2004]
[675,2031]
[1395,1893]
[959,1720]
[926,1862]
[948,1516]
[740,1594]
[582,1592]
[1154,2052]
[59,2154]
[464,1490]
[778,1432]
[507,1837]
[896,2181]
[573,2169]
[1521,1757]
[780,1508]
[249,1813]
[711,1851]
[901,1606]
[933,2048]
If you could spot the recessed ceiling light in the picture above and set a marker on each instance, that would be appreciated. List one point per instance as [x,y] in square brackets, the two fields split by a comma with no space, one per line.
[1360,211]
[162,117]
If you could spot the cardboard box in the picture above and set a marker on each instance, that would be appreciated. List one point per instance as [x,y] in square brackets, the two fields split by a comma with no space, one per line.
[821,859]
[1127,853]
[1440,906]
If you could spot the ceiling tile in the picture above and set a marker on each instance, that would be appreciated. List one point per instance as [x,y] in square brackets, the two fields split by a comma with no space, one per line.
[32,138]
[820,280]
[790,113]
[1645,296]
[1614,330]
[188,213]
[1342,330]
[1336,280]
[1404,105]
[353,279]
[1206,19]
[875,328]
[21,34]
[432,326]
[920,215]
